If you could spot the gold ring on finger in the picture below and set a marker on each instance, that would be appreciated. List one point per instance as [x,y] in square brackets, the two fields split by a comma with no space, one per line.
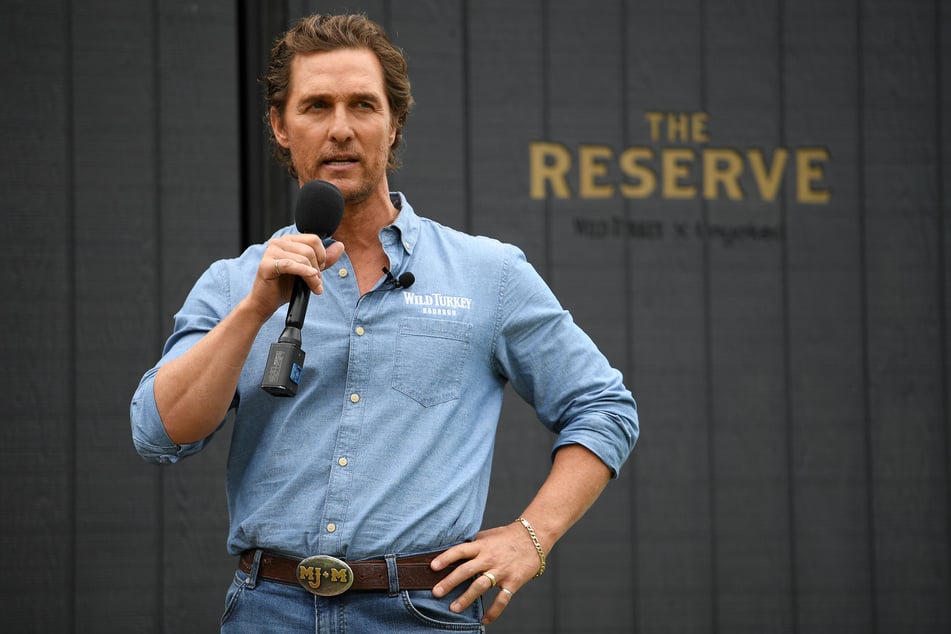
[490,577]
[277,266]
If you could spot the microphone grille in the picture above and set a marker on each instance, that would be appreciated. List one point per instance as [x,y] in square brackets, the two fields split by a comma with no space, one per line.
[319,208]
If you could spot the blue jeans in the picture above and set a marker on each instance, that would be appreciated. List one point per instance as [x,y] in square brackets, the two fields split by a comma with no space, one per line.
[260,606]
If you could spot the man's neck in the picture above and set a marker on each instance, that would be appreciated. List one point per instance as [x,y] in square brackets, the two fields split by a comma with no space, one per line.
[359,232]
[362,221]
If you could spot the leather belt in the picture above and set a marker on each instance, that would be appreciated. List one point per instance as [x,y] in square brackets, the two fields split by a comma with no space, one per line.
[413,573]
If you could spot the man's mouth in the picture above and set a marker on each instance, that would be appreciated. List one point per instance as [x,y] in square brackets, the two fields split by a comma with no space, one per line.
[341,160]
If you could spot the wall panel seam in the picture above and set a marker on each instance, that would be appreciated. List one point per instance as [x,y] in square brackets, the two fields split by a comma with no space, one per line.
[786,323]
[159,242]
[708,346]
[942,271]
[71,308]
[547,261]
[629,324]
[467,214]
[864,291]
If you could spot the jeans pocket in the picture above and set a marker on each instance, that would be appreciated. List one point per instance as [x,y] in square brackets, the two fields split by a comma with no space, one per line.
[235,590]
[436,615]
[431,355]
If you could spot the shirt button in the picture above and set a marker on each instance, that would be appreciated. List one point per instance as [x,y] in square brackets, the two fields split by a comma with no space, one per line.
[331,527]
[342,461]
[354,397]
[343,273]
[406,245]
[360,330]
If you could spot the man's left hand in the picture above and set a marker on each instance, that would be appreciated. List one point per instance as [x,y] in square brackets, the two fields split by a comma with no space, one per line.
[504,557]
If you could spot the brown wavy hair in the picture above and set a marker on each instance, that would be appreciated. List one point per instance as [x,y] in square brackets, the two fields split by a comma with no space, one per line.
[318,33]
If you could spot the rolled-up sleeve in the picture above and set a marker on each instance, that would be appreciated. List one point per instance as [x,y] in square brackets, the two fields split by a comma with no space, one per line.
[206,304]
[148,431]
[559,370]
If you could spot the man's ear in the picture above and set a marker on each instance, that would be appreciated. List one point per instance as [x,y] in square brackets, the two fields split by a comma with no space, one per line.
[277,125]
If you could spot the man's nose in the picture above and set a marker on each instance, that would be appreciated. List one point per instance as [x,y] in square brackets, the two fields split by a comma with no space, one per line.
[340,129]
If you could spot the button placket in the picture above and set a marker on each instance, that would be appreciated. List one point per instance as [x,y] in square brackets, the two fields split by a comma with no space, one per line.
[340,483]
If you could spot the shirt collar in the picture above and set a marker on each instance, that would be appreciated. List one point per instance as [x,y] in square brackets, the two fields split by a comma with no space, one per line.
[407,223]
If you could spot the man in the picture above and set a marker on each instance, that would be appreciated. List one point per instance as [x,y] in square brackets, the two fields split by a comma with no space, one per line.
[375,475]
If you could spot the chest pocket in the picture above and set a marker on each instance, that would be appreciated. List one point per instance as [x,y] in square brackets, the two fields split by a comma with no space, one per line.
[431,355]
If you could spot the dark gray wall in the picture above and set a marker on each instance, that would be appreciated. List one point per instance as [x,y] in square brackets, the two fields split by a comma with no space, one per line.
[793,474]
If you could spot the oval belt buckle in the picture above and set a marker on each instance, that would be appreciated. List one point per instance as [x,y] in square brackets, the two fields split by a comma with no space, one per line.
[324,575]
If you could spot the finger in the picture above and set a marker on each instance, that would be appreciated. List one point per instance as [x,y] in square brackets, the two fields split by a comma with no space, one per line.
[306,249]
[476,589]
[467,550]
[288,264]
[502,600]
[333,253]
[296,255]
[463,552]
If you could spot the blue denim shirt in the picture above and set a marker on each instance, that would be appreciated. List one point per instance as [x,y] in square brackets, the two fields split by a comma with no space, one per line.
[387,446]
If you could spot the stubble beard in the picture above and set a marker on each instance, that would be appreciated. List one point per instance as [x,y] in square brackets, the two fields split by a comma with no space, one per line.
[366,185]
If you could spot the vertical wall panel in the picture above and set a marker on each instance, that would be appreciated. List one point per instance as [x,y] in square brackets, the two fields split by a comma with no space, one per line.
[667,369]
[906,403]
[750,470]
[198,223]
[36,337]
[115,114]
[434,147]
[505,110]
[825,364]
[585,100]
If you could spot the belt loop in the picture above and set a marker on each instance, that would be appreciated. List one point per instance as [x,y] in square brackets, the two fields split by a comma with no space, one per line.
[255,569]
[393,574]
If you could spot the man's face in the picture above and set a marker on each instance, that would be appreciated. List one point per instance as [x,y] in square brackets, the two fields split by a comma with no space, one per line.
[337,122]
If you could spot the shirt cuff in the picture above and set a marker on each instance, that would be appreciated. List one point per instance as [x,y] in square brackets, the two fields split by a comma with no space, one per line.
[148,431]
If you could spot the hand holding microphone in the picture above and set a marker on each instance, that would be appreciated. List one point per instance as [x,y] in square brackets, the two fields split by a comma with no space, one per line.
[319,210]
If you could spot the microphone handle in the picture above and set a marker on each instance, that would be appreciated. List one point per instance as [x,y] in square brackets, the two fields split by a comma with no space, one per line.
[297,309]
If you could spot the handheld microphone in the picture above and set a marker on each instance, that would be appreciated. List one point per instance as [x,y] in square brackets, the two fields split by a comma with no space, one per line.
[319,210]
[405,280]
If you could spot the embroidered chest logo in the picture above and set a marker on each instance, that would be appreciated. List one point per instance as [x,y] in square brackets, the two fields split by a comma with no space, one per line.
[437,303]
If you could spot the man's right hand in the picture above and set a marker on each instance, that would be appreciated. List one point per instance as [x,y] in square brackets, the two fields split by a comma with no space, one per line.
[302,255]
